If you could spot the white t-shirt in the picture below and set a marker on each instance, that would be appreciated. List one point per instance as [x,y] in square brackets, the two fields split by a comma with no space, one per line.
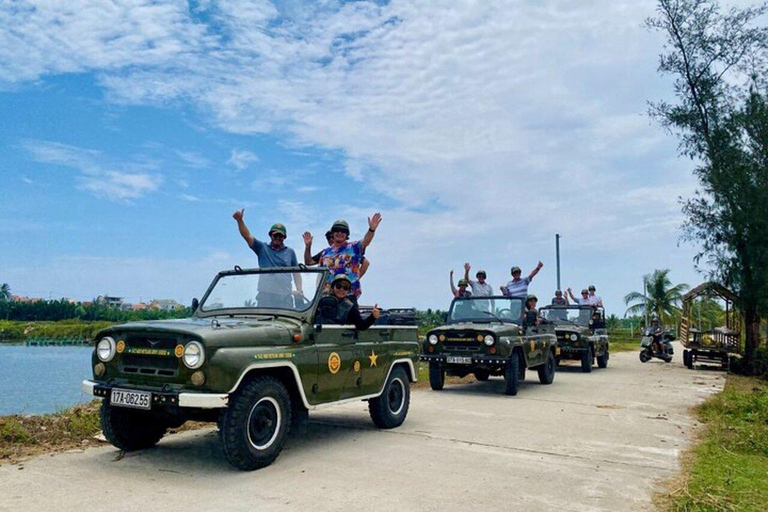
[594,300]
[481,289]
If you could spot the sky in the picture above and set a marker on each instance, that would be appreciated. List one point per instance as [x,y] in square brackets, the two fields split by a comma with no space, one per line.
[131,130]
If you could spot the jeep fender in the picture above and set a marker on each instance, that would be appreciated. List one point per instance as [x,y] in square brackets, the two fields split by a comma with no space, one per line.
[257,368]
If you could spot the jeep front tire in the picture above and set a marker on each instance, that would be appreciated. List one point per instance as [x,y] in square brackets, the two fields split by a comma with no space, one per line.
[389,409]
[255,425]
[512,375]
[436,375]
[130,429]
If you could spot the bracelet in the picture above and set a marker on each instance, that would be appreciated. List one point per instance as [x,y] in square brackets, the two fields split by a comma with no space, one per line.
[371,230]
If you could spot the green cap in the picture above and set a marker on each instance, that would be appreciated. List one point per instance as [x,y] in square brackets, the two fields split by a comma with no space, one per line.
[340,277]
[463,282]
[585,291]
[279,228]
[481,273]
[531,297]
[516,269]
[340,225]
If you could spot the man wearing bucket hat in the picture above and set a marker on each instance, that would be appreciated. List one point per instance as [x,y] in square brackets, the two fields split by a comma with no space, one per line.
[343,257]
[338,308]
[462,291]
[518,286]
[274,290]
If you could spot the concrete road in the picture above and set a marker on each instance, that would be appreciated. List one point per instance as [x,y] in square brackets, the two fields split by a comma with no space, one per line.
[599,441]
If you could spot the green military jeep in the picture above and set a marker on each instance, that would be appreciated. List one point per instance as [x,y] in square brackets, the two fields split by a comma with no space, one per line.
[581,334]
[485,336]
[252,361]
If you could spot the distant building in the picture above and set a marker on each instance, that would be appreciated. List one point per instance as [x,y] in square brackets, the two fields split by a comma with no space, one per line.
[108,300]
[139,306]
[165,304]
[21,298]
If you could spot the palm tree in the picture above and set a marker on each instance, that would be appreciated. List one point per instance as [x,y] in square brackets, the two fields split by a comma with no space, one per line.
[5,292]
[660,297]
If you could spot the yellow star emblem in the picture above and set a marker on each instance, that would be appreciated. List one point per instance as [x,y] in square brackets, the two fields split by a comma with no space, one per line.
[373,357]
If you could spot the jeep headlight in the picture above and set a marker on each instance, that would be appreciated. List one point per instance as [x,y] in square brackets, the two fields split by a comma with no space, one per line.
[574,337]
[105,349]
[432,339]
[194,355]
[488,340]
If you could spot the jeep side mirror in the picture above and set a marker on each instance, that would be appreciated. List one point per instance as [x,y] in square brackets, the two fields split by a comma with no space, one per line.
[195,304]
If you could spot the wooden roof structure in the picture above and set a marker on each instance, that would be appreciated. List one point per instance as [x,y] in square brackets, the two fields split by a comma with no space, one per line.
[710,288]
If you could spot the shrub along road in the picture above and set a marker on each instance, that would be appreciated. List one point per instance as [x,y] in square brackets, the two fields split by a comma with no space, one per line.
[600,441]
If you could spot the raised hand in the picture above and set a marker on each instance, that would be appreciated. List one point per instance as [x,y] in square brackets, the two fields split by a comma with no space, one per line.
[467,267]
[307,238]
[238,215]
[373,222]
[540,264]
[451,273]
[376,312]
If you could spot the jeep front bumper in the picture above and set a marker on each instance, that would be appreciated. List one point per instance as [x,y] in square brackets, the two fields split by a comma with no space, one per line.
[476,359]
[164,399]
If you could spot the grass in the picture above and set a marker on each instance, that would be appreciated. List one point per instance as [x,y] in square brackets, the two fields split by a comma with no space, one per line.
[22,437]
[12,330]
[727,469]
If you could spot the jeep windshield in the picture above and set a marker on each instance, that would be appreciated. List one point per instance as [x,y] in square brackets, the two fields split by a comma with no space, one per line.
[248,291]
[485,310]
[573,315]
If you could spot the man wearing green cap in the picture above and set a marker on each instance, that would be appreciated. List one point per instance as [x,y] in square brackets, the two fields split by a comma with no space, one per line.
[274,289]
[342,256]
[480,288]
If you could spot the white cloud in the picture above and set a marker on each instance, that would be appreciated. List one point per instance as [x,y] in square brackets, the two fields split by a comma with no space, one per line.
[118,185]
[241,159]
[476,126]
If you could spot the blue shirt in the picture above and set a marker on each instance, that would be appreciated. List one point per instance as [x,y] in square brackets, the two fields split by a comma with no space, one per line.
[269,257]
[518,288]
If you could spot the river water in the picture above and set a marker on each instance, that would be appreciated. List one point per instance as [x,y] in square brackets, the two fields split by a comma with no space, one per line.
[38,380]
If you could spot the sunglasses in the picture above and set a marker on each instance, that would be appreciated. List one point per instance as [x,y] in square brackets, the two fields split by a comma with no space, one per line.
[342,286]
[277,235]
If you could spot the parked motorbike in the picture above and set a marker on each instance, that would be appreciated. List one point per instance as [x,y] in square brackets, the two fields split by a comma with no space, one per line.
[664,344]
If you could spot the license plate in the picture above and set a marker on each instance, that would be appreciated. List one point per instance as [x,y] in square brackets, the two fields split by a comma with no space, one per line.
[458,360]
[135,399]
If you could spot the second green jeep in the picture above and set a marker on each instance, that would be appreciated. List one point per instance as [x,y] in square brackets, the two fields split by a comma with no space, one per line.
[485,336]
[253,362]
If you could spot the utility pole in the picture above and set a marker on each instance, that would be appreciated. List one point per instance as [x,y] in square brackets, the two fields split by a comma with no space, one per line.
[557,256]
[645,295]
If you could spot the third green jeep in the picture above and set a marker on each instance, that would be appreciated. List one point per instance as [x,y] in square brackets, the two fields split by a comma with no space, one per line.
[581,334]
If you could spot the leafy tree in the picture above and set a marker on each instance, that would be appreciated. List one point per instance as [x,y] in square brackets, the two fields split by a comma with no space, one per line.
[720,64]
[660,297]
[5,292]
[613,322]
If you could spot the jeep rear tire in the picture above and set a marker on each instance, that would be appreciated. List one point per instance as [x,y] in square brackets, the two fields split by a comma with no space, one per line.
[256,423]
[547,370]
[512,375]
[129,429]
[602,361]
[586,360]
[436,375]
[389,409]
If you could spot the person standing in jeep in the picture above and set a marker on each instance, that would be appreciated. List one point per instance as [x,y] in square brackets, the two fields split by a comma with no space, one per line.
[343,257]
[273,290]
[480,288]
[518,286]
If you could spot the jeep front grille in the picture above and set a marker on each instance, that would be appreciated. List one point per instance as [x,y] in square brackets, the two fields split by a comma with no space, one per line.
[149,365]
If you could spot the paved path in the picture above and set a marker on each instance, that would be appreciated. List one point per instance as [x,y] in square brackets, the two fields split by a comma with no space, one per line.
[598,441]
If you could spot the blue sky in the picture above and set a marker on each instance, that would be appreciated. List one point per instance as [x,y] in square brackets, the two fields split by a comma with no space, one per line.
[130,132]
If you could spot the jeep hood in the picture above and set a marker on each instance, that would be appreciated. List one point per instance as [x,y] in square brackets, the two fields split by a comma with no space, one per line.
[219,331]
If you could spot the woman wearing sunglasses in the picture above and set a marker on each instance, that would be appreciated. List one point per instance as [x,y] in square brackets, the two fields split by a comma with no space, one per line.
[338,308]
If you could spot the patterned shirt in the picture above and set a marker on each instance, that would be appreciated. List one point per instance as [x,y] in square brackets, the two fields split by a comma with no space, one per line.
[345,259]
[518,288]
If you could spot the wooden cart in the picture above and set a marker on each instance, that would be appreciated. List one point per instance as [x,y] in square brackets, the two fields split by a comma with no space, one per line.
[713,346]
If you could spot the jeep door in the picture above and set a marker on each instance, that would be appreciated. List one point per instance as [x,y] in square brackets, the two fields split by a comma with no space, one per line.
[339,362]
[375,346]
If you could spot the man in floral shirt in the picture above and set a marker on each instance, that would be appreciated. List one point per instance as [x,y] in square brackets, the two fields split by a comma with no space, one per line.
[342,256]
